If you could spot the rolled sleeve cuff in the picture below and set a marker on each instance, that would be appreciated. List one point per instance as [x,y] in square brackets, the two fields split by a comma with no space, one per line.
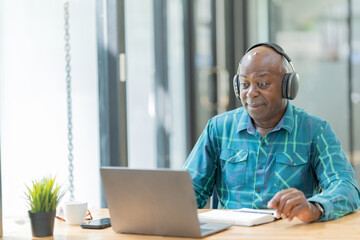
[327,206]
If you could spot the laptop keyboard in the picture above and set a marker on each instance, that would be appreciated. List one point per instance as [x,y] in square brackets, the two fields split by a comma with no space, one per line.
[205,229]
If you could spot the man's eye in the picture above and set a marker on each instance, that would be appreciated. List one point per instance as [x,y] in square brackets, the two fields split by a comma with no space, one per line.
[244,85]
[262,84]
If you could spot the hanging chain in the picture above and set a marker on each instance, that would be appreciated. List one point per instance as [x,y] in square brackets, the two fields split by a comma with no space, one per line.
[68,91]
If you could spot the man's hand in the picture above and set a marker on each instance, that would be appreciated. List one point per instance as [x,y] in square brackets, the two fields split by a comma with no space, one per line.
[292,203]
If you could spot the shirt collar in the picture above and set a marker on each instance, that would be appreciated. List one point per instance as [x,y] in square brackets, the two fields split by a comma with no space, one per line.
[244,121]
[286,122]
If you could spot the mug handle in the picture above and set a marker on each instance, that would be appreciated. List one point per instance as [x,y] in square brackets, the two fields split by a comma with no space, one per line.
[88,216]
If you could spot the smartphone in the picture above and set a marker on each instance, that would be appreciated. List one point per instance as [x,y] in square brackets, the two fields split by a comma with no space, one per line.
[97,224]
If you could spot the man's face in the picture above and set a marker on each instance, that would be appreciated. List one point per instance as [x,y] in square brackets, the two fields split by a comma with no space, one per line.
[261,76]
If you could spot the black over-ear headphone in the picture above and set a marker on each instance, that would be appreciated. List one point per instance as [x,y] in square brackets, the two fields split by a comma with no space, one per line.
[290,82]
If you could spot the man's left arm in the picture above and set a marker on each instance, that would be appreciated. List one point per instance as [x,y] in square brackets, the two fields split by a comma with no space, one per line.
[340,194]
[336,177]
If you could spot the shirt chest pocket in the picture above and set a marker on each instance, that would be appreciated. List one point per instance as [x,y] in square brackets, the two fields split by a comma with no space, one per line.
[233,166]
[292,170]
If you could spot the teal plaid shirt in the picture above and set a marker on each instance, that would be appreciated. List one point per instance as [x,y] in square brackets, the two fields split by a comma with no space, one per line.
[301,152]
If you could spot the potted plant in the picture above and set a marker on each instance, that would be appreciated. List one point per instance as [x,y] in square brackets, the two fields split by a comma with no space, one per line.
[43,197]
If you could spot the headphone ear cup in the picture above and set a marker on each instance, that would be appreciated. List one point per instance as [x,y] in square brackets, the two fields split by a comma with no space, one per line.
[284,86]
[290,85]
[236,86]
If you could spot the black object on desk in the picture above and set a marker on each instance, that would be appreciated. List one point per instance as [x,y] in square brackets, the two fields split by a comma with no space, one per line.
[97,224]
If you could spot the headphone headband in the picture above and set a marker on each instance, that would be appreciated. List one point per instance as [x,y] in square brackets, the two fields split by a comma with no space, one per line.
[274,46]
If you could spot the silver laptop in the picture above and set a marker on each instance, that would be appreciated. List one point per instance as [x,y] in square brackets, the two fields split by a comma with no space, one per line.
[154,202]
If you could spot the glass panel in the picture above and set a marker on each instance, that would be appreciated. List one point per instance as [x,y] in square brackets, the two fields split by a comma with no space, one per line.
[205,98]
[176,83]
[317,42]
[356,83]
[139,27]
[140,83]
[33,100]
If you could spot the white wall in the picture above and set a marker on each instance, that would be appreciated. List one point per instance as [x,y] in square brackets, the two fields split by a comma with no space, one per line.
[33,98]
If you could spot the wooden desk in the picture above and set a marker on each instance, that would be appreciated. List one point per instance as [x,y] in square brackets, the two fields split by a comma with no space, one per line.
[347,227]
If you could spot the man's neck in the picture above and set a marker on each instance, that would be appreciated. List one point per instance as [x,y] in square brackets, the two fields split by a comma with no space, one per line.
[263,131]
[263,127]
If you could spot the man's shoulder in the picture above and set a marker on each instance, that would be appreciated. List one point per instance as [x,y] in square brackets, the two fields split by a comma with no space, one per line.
[303,116]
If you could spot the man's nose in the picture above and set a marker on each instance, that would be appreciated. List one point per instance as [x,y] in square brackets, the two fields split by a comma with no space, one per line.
[252,91]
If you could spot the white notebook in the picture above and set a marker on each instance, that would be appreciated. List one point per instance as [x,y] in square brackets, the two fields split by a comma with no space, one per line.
[242,217]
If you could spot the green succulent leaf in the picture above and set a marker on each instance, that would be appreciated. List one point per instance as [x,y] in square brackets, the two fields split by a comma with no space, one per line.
[43,195]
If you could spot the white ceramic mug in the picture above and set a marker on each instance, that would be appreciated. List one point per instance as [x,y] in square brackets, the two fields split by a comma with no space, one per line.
[75,212]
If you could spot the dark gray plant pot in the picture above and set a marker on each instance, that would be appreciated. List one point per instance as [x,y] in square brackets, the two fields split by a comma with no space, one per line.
[42,223]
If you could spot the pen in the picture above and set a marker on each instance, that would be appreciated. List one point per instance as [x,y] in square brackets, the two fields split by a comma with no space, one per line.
[249,211]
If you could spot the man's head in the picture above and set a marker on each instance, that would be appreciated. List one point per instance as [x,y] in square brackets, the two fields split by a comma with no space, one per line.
[260,79]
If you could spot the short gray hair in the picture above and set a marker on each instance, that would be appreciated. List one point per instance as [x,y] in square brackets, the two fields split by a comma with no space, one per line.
[285,63]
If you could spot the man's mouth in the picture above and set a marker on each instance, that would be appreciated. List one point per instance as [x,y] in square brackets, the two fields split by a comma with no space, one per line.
[256,105]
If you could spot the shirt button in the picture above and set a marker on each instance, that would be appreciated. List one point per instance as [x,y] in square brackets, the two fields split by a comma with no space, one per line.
[260,167]
[258,190]
[263,143]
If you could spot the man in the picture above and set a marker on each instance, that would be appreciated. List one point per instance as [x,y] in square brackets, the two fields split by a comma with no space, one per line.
[269,153]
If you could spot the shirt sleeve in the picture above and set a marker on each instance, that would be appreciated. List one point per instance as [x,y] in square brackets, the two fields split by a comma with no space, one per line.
[201,164]
[340,193]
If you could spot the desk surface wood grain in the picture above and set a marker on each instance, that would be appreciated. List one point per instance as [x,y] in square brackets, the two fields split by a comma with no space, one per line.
[347,227]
